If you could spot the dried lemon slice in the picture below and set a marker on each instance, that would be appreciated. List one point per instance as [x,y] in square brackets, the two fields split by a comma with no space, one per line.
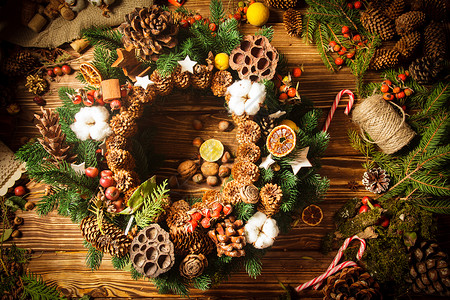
[281,141]
[312,215]
[211,150]
[90,74]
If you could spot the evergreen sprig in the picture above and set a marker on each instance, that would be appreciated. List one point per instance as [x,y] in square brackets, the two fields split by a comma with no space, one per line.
[153,206]
[35,288]
[93,257]
[217,12]
[105,37]
[119,263]
[266,31]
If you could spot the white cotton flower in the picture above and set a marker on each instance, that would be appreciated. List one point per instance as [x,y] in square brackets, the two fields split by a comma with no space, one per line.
[261,231]
[92,122]
[246,97]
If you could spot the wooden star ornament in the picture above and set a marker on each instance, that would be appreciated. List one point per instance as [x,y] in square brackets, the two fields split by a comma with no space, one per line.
[130,65]
[187,64]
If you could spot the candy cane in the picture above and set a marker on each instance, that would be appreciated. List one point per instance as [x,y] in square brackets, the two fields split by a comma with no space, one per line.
[333,268]
[335,104]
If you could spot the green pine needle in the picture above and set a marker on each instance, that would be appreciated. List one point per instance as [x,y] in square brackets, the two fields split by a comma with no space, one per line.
[105,37]
[217,12]
[35,288]
[119,263]
[93,257]
[153,206]
[267,32]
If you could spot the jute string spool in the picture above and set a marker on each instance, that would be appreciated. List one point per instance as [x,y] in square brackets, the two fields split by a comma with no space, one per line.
[381,122]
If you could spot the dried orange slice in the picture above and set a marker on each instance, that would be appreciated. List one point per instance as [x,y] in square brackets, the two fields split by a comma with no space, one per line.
[211,150]
[90,74]
[281,141]
[312,215]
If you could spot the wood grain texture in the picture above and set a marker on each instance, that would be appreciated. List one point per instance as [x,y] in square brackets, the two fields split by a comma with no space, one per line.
[57,243]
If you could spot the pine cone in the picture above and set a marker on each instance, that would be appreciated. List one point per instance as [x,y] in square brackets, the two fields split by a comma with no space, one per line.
[201,79]
[53,140]
[395,9]
[249,193]
[437,10]
[408,45]
[384,59]
[148,30]
[248,132]
[163,85]
[36,84]
[220,82]
[409,22]
[20,63]
[181,80]
[284,4]
[193,265]
[351,283]
[267,124]
[292,20]
[177,214]
[195,242]
[109,240]
[229,237]
[424,70]
[376,22]
[435,45]
[271,195]
[118,159]
[126,180]
[117,142]
[152,252]
[245,172]
[376,180]
[124,124]
[248,152]
[429,272]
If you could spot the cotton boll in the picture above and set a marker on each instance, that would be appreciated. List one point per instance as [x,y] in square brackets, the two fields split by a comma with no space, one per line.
[252,106]
[257,91]
[84,116]
[263,241]
[258,219]
[100,131]
[99,113]
[251,232]
[236,105]
[81,130]
[240,88]
[270,228]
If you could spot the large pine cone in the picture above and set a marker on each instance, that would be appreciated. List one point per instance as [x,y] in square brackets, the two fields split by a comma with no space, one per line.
[271,195]
[292,20]
[351,283]
[384,59]
[409,22]
[376,180]
[437,10]
[425,70]
[408,45]
[20,63]
[376,22]
[435,41]
[395,9]
[148,30]
[284,4]
[429,272]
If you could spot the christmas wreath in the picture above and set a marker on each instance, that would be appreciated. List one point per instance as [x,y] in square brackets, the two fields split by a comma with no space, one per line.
[196,242]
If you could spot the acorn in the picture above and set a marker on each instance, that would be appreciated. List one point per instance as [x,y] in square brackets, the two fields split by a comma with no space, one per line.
[16,234]
[197,142]
[18,221]
[29,205]
[224,171]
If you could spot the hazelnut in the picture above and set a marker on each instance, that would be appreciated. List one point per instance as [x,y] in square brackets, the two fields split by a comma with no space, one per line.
[212,180]
[197,124]
[210,168]
[197,142]
[198,178]
[276,167]
[224,171]
[226,157]
[18,221]
[29,205]
[16,234]
[224,125]
[173,181]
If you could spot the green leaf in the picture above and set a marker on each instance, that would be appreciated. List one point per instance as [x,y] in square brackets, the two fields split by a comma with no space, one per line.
[6,234]
[16,202]
[137,199]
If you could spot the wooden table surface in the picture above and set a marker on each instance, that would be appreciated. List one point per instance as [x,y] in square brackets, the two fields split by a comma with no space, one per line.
[59,255]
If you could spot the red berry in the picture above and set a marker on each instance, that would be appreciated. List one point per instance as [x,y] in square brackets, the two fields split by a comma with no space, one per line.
[363,209]
[89,100]
[107,181]
[407,73]
[357,4]
[384,221]
[404,107]
[91,172]
[50,73]
[217,206]
[336,48]
[388,96]
[292,92]
[184,23]
[227,209]
[297,72]
[206,222]
[106,173]
[20,191]
[206,213]
[400,95]
[402,77]
[196,216]
[387,82]
[408,92]
[396,90]
[351,54]
[115,104]
[345,29]
[346,35]
[377,205]
[198,17]
[384,88]
[332,43]
[58,71]
[357,38]
[192,225]
[350,5]
[338,61]
[343,50]
[39,100]
[237,16]
[283,96]
[365,199]
[191,20]
[215,214]
[66,69]
[212,27]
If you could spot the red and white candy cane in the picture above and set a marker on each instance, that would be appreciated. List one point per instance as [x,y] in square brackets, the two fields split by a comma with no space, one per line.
[335,104]
[334,267]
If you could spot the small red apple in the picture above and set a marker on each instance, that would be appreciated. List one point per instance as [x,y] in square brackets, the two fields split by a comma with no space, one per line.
[91,172]
[20,191]
[51,73]
[365,199]
[363,209]
[66,69]
[107,181]
[58,71]
[112,193]
[115,104]
[105,173]
[77,99]
[384,221]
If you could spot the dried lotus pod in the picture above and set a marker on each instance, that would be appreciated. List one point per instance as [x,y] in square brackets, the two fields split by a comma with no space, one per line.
[255,58]
[152,252]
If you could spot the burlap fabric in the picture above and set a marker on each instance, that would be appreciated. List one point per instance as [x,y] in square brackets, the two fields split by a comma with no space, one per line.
[59,31]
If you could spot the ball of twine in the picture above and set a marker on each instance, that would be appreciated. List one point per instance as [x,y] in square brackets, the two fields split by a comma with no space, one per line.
[381,122]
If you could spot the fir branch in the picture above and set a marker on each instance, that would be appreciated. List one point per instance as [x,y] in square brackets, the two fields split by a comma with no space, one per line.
[105,37]
[202,282]
[252,261]
[244,211]
[103,59]
[227,38]
[367,149]
[140,158]
[153,206]
[85,151]
[119,263]
[217,12]
[171,282]
[35,288]
[135,275]
[32,154]
[167,63]
[93,257]
[440,206]
[267,32]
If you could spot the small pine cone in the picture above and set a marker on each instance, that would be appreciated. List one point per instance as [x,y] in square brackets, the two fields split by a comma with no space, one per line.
[193,265]
[20,63]
[408,45]
[229,237]
[245,172]
[220,82]
[267,124]
[36,84]
[135,109]
[409,22]
[292,20]
[201,79]
[118,159]
[195,242]
[163,85]
[284,4]
[376,180]
[126,180]
[124,124]
[271,195]
[424,70]
[248,152]
[177,214]
[249,194]
[117,142]
[381,5]
[231,192]
[384,59]
[211,196]
[376,22]
[395,9]
[435,43]
[248,132]
[181,80]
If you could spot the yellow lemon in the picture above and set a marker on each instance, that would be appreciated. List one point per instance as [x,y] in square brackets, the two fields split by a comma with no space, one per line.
[290,124]
[221,61]
[211,150]
[257,14]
